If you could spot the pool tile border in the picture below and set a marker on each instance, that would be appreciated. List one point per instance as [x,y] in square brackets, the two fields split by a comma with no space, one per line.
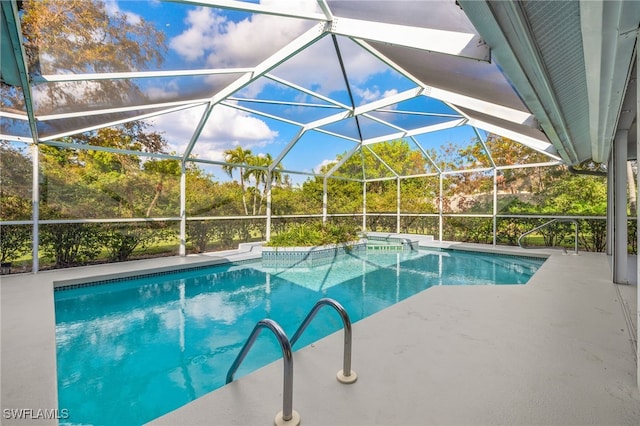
[324,256]
[134,276]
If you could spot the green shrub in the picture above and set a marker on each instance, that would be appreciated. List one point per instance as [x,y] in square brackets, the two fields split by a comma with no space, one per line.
[313,234]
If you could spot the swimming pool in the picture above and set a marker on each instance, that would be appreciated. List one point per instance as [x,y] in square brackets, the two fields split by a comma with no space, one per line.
[130,351]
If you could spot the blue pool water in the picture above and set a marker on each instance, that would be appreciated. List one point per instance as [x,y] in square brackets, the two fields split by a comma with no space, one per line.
[131,351]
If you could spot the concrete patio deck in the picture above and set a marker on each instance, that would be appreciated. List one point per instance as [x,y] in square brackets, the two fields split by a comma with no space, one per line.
[559,350]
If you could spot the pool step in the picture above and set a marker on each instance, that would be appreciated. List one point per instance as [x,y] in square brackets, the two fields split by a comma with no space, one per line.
[385,247]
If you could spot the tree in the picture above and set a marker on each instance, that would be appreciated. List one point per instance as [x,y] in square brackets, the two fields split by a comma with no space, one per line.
[504,152]
[161,169]
[14,239]
[631,181]
[260,175]
[76,36]
[80,183]
[15,183]
[381,160]
[234,158]
[15,201]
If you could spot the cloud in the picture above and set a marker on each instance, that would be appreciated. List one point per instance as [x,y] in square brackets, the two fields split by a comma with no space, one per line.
[203,25]
[223,43]
[113,8]
[323,163]
[370,94]
[225,129]
[318,67]
[167,91]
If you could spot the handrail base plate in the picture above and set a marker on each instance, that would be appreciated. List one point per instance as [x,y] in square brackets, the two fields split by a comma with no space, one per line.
[347,380]
[294,421]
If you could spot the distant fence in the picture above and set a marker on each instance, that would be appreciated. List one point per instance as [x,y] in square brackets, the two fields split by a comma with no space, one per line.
[67,243]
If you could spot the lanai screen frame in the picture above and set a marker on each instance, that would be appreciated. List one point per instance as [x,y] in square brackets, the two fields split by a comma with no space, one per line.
[391,43]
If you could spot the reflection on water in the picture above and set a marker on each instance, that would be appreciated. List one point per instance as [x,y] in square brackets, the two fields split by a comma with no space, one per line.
[131,351]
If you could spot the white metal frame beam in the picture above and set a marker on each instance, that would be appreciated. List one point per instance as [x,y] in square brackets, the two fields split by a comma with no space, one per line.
[539,145]
[414,132]
[291,49]
[9,10]
[171,107]
[467,45]
[60,78]
[116,122]
[279,10]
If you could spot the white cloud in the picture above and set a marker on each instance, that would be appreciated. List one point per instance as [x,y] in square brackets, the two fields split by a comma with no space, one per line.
[223,43]
[391,92]
[168,91]
[323,163]
[225,128]
[113,8]
[203,25]
[318,67]
[370,94]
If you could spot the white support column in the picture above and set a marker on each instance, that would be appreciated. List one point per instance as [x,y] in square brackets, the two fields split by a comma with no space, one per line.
[638,221]
[610,205]
[35,207]
[495,205]
[620,274]
[398,205]
[268,183]
[325,200]
[364,206]
[440,209]
[183,211]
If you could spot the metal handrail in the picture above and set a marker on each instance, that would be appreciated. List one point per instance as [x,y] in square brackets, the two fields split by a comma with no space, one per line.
[287,357]
[574,221]
[346,375]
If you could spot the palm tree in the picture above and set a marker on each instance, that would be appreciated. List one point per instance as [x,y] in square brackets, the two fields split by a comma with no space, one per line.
[238,157]
[260,175]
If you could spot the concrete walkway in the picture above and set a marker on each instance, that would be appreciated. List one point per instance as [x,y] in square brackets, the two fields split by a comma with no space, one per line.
[556,351]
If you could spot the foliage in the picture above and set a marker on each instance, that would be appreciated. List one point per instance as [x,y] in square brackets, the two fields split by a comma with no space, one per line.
[381,223]
[15,240]
[632,237]
[76,36]
[107,181]
[121,241]
[199,233]
[235,158]
[97,183]
[310,235]
[468,229]
[70,244]
[575,194]
[111,183]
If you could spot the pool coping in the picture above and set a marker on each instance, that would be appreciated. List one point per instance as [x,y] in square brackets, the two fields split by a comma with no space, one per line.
[28,320]
[584,372]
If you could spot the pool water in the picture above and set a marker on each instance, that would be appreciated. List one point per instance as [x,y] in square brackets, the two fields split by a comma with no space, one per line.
[131,351]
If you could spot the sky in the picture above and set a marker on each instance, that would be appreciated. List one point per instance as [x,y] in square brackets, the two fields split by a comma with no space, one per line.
[200,38]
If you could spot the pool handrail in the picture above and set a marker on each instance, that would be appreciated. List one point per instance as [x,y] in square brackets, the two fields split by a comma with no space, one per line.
[346,375]
[287,414]
[544,225]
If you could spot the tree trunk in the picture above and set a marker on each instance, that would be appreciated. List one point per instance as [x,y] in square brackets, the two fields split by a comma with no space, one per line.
[632,188]
[255,197]
[155,198]
[244,196]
